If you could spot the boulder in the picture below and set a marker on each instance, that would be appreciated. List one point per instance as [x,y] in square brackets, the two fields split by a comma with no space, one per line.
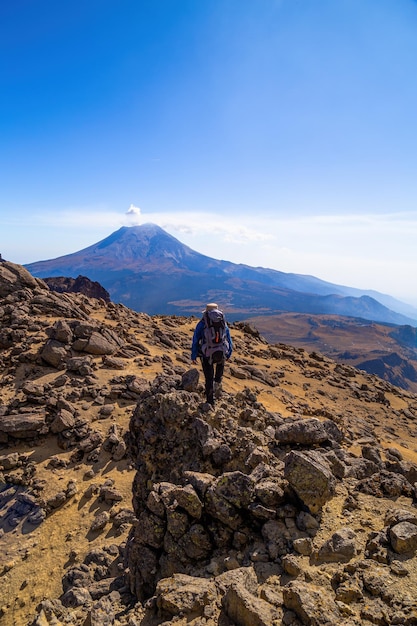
[53,353]
[312,604]
[340,547]
[403,537]
[307,432]
[22,425]
[182,594]
[310,477]
[189,380]
[63,421]
[245,609]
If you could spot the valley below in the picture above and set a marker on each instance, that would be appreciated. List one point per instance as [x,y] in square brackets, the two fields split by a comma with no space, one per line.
[386,350]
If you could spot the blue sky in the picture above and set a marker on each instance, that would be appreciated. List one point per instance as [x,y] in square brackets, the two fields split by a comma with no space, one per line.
[279,133]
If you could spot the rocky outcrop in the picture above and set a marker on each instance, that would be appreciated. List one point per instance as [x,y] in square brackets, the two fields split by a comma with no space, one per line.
[81,284]
[15,278]
[224,508]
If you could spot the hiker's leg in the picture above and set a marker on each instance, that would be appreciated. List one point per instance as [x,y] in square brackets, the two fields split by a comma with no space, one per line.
[219,372]
[208,371]
[217,385]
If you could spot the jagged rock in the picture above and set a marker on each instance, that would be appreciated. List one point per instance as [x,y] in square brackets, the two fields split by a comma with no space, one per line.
[340,547]
[182,594]
[407,469]
[385,484]
[122,517]
[375,580]
[271,491]
[372,453]
[222,510]
[102,612]
[189,380]
[9,461]
[310,477]
[119,451]
[200,481]
[403,537]
[361,468]
[114,363]
[214,495]
[235,487]
[244,576]
[186,498]
[197,543]
[238,372]
[80,364]
[100,521]
[110,495]
[312,604]
[276,536]
[246,609]
[307,432]
[400,515]
[53,353]
[63,421]
[96,343]
[75,597]
[23,425]
[150,530]
[31,389]
[54,502]
[61,331]
[303,545]
[137,385]
[94,439]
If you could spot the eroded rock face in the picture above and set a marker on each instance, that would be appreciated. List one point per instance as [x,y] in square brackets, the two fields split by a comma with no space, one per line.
[81,284]
[15,278]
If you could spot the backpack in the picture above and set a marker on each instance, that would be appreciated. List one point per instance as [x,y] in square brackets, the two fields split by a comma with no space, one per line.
[215,344]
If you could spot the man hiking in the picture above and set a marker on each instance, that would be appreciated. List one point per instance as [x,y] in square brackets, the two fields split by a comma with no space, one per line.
[212,342]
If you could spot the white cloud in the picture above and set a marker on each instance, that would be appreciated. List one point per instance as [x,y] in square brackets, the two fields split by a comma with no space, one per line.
[133,213]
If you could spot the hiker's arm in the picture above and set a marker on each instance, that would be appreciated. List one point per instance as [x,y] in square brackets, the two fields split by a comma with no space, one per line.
[229,339]
[198,335]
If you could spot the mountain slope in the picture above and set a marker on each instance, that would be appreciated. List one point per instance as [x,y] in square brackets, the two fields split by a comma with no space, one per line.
[292,502]
[148,270]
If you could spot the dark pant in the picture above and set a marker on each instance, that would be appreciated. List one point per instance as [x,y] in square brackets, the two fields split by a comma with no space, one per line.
[212,372]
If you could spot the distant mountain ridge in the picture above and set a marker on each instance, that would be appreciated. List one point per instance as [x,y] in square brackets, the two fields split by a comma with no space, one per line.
[149,270]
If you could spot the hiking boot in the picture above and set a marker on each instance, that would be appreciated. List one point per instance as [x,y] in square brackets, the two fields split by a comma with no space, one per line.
[217,389]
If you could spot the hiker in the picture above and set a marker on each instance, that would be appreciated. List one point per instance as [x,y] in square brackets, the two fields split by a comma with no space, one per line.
[212,342]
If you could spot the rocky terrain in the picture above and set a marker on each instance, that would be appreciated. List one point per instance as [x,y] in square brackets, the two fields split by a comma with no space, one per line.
[126,500]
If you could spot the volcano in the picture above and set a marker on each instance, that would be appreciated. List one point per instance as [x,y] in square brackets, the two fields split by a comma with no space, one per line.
[149,270]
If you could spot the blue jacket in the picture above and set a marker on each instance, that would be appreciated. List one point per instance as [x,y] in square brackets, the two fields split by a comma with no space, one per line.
[198,340]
